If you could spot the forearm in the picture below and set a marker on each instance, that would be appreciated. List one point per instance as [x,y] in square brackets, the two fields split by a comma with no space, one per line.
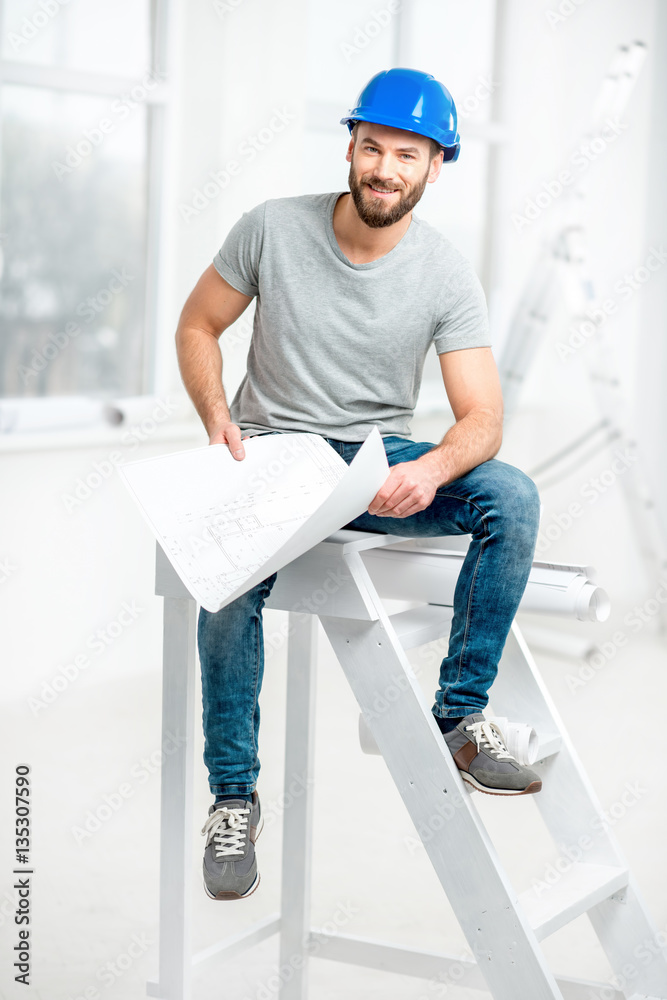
[472,440]
[200,363]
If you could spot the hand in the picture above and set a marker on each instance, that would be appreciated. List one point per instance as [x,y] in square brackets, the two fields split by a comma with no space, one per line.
[409,488]
[229,434]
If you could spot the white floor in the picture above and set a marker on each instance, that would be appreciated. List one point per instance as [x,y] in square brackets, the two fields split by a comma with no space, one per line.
[95,896]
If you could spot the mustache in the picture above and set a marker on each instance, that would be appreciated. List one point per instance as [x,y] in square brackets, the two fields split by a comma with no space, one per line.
[374,182]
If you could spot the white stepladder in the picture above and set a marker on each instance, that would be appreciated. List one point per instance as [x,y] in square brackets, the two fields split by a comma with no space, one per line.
[346,577]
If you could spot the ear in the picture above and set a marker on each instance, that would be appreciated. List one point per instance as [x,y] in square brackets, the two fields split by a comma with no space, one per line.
[436,164]
[348,155]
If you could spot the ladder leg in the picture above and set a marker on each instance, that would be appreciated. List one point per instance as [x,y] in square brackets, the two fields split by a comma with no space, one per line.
[178,678]
[571,808]
[568,802]
[634,947]
[298,807]
[427,779]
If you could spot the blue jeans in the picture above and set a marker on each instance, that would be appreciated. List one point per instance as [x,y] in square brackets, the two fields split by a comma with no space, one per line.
[497,504]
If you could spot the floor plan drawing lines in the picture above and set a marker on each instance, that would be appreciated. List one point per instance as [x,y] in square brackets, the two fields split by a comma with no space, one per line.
[225,525]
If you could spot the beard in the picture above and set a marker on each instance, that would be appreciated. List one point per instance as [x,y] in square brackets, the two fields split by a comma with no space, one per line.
[376,214]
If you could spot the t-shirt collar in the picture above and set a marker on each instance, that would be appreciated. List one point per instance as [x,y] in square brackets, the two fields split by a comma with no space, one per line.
[394,252]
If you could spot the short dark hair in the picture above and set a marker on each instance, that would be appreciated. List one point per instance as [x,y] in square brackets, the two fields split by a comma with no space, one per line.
[435,147]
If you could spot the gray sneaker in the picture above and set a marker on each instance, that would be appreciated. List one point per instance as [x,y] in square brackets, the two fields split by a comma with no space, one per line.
[230,865]
[484,761]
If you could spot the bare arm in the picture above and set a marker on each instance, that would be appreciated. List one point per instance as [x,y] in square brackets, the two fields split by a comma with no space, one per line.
[211,307]
[473,389]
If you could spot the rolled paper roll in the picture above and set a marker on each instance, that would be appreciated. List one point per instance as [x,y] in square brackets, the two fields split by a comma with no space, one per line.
[519,738]
[409,571]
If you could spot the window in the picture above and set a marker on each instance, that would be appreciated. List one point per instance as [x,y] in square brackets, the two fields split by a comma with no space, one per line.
[82,99]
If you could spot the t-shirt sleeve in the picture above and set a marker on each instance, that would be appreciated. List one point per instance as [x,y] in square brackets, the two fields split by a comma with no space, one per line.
[464,319]
[237,260]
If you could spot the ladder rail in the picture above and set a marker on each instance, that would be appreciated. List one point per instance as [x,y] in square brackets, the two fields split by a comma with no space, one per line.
[611,899]
[497,931]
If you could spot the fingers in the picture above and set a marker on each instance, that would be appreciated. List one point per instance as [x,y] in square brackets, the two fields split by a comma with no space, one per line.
[233,435]
[229,434]
[382,501]
[404,509]
[388,508]
[399,496]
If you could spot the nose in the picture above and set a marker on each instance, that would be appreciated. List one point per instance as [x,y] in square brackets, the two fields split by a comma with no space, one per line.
[384,168]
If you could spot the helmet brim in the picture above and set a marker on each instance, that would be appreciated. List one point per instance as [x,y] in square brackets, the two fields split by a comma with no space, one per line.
[450,141]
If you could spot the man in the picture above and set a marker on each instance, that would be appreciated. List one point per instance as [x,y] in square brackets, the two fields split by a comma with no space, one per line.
[352,291]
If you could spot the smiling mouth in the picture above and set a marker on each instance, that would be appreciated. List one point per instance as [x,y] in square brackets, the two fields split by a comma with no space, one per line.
[382,191]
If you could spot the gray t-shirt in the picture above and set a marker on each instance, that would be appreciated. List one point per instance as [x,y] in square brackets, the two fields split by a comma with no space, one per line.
[338,348]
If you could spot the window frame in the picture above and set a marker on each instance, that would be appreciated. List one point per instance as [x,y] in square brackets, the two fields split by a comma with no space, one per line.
[159,104]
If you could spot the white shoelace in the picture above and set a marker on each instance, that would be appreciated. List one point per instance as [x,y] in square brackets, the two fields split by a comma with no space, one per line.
[229,839]
[488,736]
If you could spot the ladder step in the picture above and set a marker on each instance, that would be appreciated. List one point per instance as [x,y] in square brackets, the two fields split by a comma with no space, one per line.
[549,744]
[578,889]
[417,626]
[421,625]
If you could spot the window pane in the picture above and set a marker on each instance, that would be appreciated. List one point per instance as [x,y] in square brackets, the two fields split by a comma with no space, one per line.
[104,36]
[73,219]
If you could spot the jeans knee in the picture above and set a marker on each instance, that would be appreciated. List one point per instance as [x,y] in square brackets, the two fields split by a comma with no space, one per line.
[527,491]
[525,505]
[518,503]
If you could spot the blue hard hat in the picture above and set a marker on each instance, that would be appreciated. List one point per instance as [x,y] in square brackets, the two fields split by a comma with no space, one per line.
[411,100]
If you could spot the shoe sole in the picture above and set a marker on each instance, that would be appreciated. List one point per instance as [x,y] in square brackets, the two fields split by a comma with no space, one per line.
[248,892]
[533,787]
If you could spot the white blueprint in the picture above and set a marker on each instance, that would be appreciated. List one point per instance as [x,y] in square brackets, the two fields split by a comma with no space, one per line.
[227,525]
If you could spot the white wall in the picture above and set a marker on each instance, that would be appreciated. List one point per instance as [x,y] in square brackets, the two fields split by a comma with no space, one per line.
[552,78]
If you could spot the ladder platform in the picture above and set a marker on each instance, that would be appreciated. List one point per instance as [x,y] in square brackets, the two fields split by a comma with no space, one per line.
[577,891]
